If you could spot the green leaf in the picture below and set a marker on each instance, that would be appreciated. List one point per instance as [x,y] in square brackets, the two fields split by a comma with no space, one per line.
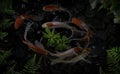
[6,6]
[47,30]
[31,65]
[4,55]
[45,35]
[11,70]
[3,34]
[57,36]
[55,39]
[6,23]
[113,59]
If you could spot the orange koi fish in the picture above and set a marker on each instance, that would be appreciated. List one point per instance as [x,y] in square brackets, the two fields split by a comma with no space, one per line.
[51,8]
[20,19]
[83,26]
[35,48]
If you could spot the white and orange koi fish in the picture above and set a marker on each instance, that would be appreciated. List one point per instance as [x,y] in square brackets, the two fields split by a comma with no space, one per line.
[55,25]
[38,48]
[68,53]
[52,7]
[76,59]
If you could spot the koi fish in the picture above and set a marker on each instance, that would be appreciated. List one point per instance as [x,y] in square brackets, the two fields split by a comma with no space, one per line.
[83,26]
[79,23]
[63,25]
[55,25]
[20,20]
[82,56]
[27,29]
[68,53]
[35,48]
[52,8]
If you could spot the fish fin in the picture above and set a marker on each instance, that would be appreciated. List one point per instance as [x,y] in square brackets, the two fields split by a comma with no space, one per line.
[56,18]
[38,44]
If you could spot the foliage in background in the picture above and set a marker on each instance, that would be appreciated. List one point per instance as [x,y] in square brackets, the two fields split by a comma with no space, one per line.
[32,65]
[113,61]
[4,25]
[4,55]
[113,6]
[55,39]
[6,6]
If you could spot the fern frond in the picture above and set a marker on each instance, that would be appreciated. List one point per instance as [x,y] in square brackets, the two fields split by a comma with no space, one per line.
[3,34]
[4,55]
[31,66]
[11,70]
[113,60]
[6,23]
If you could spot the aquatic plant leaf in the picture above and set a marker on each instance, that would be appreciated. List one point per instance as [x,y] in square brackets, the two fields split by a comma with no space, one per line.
[3,34]
[4,55]
[6,6]
[47,30]
[56,36]
[55,40]
[6,23]
[45,35]
[11,70]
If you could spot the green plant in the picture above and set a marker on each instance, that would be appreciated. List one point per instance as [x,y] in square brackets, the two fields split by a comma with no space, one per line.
[59,42]
[6,6]
[62,43]
[31,65]
[4,25]
[3,34]
[4,55]
[10,69]
[113,61]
